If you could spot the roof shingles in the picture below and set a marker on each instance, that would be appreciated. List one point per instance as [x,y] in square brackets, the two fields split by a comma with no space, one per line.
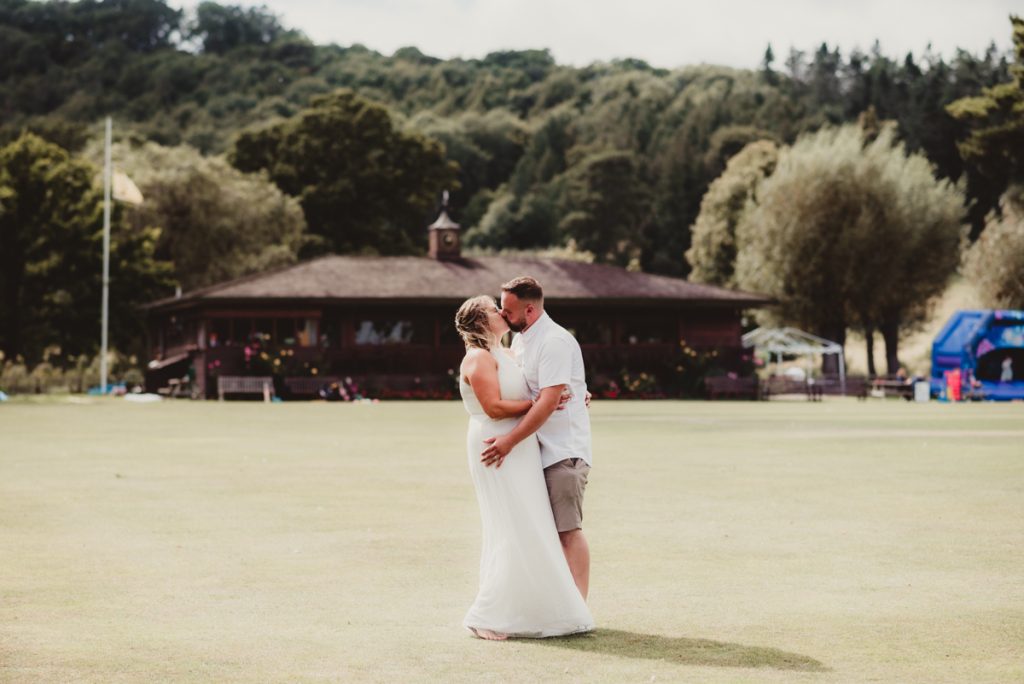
[410,277]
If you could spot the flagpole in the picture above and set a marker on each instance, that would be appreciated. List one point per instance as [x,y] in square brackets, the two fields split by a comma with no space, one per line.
[106,262]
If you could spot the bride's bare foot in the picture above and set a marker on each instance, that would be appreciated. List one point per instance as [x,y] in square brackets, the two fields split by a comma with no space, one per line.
[488,634]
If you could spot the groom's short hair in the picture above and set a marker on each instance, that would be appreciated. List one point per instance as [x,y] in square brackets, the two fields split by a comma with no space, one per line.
[524,287]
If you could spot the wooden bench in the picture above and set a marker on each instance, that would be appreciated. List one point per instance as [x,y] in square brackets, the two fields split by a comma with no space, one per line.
[725,387]
[245,384]
[883,387]
[815,388]
[855,385]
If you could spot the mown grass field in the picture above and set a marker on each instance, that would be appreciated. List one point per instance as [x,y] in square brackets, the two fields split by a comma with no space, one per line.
[732,542]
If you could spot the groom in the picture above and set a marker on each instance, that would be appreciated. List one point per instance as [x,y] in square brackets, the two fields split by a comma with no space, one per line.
[552,363]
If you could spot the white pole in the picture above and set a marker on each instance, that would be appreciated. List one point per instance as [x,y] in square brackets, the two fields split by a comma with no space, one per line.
[842,370]
[105,316]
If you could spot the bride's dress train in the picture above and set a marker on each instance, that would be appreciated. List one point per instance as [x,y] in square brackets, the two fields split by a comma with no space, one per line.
[526,589]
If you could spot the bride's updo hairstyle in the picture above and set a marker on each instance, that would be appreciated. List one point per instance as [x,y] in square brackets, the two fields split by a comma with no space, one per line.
[471,322]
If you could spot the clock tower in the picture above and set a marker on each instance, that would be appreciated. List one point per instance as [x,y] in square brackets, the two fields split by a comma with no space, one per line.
[444,235]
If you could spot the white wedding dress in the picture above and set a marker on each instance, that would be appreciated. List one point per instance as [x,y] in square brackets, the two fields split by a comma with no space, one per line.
[526,589]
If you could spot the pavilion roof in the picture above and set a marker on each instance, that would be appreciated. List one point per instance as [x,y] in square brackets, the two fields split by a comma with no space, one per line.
[411,278]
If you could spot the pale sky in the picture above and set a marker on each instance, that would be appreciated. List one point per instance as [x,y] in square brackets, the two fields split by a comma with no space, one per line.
[664,33]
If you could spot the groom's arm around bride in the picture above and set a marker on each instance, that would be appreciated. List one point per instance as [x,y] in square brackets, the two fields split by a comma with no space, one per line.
[545,404]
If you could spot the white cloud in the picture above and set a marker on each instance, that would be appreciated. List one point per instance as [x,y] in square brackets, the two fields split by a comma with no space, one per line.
[662,32]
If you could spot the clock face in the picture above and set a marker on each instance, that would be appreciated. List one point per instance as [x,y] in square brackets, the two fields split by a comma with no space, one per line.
[448,239]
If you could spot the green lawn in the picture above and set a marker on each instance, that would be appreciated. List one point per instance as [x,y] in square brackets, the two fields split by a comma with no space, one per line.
[732,542]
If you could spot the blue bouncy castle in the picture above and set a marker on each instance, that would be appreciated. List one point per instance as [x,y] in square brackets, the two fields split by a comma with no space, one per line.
[980,354]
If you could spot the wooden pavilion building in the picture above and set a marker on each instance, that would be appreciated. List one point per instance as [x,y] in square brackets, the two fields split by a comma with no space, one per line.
[387,322]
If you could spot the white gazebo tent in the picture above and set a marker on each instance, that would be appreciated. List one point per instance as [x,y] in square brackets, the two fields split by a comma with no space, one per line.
[779,341]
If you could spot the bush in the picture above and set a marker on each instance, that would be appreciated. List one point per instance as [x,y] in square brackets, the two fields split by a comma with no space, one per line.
[67,374]
[14,378]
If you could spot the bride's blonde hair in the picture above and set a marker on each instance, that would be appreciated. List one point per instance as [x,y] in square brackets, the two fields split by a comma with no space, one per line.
[471,322]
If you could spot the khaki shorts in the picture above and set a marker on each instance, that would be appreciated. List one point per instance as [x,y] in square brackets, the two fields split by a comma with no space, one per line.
[566,482]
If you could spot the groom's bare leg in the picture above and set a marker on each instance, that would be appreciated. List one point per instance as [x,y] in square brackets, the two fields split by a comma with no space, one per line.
[577,553]
[566,482]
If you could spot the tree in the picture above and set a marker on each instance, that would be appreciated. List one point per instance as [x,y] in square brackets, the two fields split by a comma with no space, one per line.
[485,146]
[995,263]
[216,223]
[609,203]
[51,256]
[363,184]
[202,83]
[221,28]
[767,73]
[995,118]
[536,64]
[61,132]
[727,141]
[712,255]
[847,233]
[524,212]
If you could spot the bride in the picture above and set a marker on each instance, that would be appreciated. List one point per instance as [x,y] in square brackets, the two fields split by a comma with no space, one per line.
[526,589]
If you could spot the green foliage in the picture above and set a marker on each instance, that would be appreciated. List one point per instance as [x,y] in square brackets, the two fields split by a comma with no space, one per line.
[995,263]
[486,148]
[51,255]
[712,256]
[847,233]
[995,119]
[688,370]
[363,184]
[216,223]
[70,135]
[728,141]
[713,111]
[609,201]
[220,28]
[520,127]
[530,222]
[58,373]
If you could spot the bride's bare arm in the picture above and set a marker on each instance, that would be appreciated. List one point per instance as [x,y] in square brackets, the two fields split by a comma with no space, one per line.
[481,372]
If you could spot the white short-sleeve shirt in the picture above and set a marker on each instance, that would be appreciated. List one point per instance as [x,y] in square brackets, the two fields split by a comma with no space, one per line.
[549,355]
